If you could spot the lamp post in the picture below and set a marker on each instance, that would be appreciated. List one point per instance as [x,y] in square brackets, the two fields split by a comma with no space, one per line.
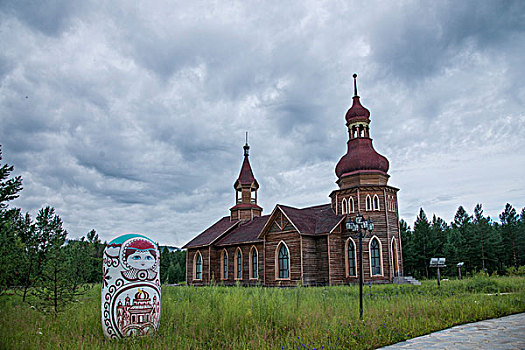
[358,227]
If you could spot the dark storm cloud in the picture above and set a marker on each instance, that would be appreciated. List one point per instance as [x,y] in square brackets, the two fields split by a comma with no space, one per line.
[49,17]
[419,42]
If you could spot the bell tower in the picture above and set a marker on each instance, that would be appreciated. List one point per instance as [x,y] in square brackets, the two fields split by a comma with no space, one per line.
[246,187]
[362,173]
[362,177]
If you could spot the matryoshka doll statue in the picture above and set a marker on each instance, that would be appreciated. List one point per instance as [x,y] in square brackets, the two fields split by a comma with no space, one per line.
[130,286]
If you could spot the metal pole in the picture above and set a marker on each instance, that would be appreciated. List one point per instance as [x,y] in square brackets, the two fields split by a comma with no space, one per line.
[438,278]
[360,274]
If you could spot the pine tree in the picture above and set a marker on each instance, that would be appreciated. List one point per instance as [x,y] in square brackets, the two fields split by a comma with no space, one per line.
[509,233]
[60,272]
[10,245]
[422,244]
[458,247]
[409,254]
[521,238]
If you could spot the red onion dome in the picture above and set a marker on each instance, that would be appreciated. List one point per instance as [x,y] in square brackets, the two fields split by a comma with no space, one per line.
[357,111]
[361,157]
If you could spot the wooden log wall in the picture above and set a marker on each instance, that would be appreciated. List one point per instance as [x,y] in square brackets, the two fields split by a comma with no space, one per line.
[293,241]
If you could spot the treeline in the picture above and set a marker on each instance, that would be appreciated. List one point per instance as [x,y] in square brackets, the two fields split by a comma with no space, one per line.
[172,266]
[480,242]
[37,259]
[43,265]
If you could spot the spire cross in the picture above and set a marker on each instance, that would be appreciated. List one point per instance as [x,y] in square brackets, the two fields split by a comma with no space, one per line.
[246,147]
[355,84]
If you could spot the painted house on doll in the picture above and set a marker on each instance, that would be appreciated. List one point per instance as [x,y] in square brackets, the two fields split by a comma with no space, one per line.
[307,246]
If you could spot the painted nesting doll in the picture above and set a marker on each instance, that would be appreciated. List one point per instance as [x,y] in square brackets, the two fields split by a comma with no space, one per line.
[130,286]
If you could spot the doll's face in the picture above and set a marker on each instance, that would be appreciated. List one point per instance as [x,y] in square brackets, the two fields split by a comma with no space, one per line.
[141,260]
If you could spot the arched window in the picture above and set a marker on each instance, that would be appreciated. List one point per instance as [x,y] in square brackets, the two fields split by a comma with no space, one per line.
[197,266]
[254,272]
[395,262]
[283,261]
[352,206]
[376,202]
[368,203]
[238,264]
[350,258]
[224,264]
[344,206]
[375,257]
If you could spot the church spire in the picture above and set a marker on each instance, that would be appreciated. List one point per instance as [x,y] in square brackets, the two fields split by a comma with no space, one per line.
[355,85]
[361,156]
[246,187]
[246,146]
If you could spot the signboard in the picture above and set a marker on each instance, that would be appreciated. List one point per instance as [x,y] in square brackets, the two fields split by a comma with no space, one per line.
[437,262]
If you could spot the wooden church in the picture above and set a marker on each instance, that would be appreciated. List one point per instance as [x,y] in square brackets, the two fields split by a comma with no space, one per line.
[307,246]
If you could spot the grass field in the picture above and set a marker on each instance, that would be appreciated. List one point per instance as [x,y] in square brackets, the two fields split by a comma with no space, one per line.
[271,318]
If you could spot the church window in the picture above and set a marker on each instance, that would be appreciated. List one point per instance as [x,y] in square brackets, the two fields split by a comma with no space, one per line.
[350,258]
[376,202]
[368,202]
[352,206]
[238,264]
[344,206]
[283,261]
[224,264]
[253,263]
[375,257]
[198,266]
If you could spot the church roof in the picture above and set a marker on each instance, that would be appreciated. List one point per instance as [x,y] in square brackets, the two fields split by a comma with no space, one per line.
[319,219]
[314,220]
[357,111]
[213,232]
[246,175]
[361,156]
[247,231]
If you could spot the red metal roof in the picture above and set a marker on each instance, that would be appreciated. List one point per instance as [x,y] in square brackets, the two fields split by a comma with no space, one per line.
[356,111]
[247,231]
[318,219]
[361,155]
[212,233]
[246,175]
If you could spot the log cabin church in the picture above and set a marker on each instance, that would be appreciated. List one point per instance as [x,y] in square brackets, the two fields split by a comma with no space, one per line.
[306,246]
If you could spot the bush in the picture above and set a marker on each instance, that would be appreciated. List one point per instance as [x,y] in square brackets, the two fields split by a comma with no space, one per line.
[512,271]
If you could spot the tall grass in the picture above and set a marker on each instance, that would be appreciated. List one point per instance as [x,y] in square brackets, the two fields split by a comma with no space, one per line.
[271,318]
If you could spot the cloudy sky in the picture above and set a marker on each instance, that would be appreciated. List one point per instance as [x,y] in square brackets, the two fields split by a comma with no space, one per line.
[130,115]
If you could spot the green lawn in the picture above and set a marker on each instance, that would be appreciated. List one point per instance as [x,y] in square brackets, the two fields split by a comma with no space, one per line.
[271,318]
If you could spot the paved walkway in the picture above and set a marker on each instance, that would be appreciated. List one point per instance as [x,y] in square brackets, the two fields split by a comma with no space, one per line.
[498,333]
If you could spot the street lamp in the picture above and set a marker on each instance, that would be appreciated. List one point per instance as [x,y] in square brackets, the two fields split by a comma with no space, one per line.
[358,227]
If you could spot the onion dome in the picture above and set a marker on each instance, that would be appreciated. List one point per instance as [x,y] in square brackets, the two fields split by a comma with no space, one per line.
[141,294]
[361,155]
[357,111]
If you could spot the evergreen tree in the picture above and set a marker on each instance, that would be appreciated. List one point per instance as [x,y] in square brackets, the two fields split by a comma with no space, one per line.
[458,244]
[95,249]
[165,264]
[28,235]
[509,233]
[521,238]
[486,240]
[10,245]
[422,244]
[409,253]
[60,274]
